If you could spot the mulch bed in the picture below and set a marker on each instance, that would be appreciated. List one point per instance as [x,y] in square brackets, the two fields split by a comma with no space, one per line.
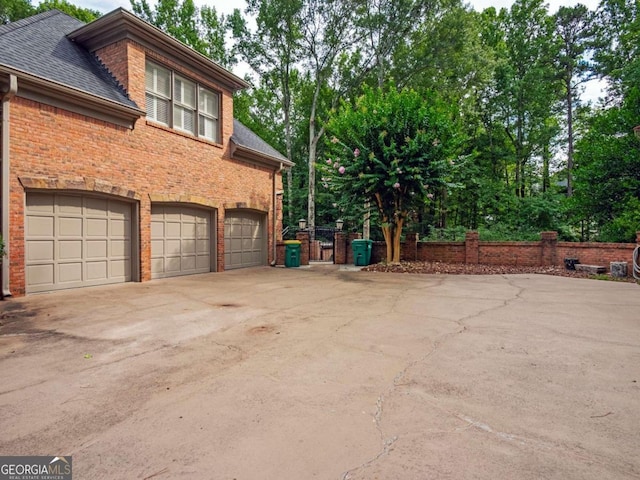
[478,269]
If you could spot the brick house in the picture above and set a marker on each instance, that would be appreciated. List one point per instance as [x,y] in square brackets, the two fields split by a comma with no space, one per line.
[121,159]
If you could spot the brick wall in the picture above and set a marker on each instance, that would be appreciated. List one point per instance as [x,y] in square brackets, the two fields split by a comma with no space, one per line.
[547,251]
[53,148]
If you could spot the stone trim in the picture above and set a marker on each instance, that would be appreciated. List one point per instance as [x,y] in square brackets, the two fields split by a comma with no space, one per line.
[262,207]
[182,198]
[85,184]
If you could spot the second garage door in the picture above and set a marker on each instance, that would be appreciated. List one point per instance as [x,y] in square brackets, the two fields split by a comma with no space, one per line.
[245,243]
[180,240]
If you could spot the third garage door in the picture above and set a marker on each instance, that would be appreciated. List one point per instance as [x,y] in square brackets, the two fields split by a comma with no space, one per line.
[245,243]
[180,240]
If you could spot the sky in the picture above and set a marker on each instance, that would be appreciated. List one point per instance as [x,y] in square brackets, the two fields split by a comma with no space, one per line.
[593,89]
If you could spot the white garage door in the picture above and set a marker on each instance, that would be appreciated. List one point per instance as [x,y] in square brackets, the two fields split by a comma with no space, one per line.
[245,243]
[180,241]
[76,241]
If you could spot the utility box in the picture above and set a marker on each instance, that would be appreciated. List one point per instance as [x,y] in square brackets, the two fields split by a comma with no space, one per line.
[618,269]
[361,252]
[292,253]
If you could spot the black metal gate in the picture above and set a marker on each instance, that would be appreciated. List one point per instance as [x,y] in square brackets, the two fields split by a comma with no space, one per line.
[325,248]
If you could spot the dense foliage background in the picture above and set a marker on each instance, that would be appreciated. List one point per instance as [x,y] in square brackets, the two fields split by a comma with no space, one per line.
[531,155]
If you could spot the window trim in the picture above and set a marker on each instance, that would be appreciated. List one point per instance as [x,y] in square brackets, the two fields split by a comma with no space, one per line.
[196,107]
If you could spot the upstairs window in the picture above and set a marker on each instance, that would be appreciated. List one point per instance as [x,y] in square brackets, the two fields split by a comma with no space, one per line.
[158,93]
[182,104]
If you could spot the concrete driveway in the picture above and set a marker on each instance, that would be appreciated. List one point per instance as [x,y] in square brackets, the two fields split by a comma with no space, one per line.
[321,373]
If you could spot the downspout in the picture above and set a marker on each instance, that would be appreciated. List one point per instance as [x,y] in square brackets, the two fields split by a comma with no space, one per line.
[7,93]
[275,214]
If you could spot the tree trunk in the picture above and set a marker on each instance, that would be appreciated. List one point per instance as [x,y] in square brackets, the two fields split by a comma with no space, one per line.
[313,147]
[397,233]
[388,241]
[570,140]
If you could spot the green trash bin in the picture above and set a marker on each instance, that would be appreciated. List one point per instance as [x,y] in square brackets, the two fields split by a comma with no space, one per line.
[361,252]
[292,253]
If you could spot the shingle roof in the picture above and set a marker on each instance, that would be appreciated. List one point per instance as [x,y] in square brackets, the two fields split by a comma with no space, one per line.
[244,137]
[38,45]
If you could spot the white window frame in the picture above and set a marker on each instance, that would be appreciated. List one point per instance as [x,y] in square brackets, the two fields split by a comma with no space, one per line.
[205,116]
[155,95]
[200,115]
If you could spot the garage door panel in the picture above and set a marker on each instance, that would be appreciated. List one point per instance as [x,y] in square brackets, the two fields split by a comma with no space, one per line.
[40,250]
[96,249]
[157,265]
[40,202]
[82,234]
[157,246]
[69,273]
[96,206]
[203,247]
[120,248]
[120,227]
[120,268]
[38,226]
[172,264]
[69,204]
[188,263]
[172,229]
[180,240]
[40,275]
[188,246]
[97,270]
[172,247]
[69,227]
[70,249]
[157,229]
[203,261]
[97,227]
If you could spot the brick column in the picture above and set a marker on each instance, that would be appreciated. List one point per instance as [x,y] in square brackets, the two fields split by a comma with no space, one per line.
[352,236]
[638,238]
[472,247]
[280,248]
[548,246]
[340,248]
[304,248]
[410,250]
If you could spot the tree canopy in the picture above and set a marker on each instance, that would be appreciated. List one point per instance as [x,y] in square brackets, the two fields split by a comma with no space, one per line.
[393,148]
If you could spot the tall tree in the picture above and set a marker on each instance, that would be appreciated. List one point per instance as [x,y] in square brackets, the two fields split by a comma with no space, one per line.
[574,31]
[328,35]
[272,51]
[527,82]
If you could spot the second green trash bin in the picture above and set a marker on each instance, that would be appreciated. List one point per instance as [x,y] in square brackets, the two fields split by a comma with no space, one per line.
[292,253]
[361,252]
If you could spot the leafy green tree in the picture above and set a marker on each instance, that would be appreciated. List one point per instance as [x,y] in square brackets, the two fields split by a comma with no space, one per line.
[84,14]
[201,29]
[527,82]
[12,10]
[392,148]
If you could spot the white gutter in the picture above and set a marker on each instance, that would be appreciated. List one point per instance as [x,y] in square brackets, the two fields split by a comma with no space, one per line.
[7,93]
